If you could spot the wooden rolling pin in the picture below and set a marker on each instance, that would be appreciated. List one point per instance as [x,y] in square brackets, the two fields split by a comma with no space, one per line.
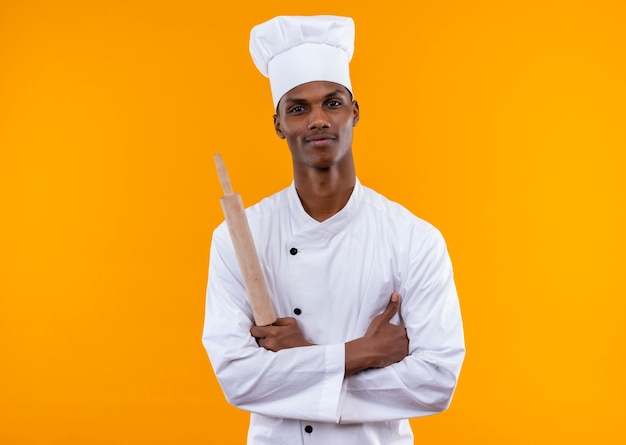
[247,256]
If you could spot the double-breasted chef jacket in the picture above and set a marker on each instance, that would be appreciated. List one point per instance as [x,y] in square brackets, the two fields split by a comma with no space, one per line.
[334,277]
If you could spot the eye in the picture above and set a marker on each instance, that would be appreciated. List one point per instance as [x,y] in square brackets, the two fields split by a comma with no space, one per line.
[295,109]
[334,103]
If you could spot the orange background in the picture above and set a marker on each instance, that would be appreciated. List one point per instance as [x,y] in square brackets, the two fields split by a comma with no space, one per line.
[500,122]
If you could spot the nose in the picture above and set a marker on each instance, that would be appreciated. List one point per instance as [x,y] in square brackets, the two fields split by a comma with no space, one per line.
[318,120]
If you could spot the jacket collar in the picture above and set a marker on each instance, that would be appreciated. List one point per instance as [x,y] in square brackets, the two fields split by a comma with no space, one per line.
[303,223]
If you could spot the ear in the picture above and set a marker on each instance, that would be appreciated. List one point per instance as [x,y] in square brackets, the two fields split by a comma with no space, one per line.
[355,113]
[277,127]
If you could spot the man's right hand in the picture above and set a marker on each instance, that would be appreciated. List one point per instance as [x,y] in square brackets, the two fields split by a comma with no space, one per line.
[383,344]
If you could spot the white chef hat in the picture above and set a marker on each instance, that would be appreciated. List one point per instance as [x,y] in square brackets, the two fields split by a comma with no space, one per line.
[292,50]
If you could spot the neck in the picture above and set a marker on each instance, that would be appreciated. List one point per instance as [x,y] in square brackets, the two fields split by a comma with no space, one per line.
[324,192]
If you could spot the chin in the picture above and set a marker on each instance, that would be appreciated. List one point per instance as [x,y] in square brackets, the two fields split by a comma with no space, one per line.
[323,162]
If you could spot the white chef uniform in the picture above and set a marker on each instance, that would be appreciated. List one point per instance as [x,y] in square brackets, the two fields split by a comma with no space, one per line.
[334,277]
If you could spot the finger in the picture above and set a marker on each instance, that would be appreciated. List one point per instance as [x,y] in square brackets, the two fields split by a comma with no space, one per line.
[286,321]
[397,295]
[258,331]
[392,307]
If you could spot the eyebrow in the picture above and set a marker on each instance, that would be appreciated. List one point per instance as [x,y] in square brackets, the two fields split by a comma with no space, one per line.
[297,100]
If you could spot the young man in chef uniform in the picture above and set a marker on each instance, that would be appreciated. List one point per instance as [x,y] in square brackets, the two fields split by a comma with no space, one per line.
[369,332]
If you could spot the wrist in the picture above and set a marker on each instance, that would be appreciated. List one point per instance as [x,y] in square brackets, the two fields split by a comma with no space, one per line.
[357,356]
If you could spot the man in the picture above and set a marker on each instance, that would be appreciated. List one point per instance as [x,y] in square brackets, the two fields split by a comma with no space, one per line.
[369,332]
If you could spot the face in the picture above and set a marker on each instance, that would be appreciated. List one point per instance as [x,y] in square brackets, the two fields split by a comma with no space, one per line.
[316,119]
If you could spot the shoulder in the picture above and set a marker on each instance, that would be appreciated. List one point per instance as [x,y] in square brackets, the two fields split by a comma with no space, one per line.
[414,239]
[396,217]
[264,210]
[270,206]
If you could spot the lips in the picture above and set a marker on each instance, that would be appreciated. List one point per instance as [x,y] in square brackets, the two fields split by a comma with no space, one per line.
[320,140]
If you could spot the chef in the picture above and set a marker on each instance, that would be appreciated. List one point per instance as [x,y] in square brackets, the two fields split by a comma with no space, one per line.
[369,331]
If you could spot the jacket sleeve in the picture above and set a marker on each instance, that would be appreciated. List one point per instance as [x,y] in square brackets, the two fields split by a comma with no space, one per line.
[423,382]
[303,383]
